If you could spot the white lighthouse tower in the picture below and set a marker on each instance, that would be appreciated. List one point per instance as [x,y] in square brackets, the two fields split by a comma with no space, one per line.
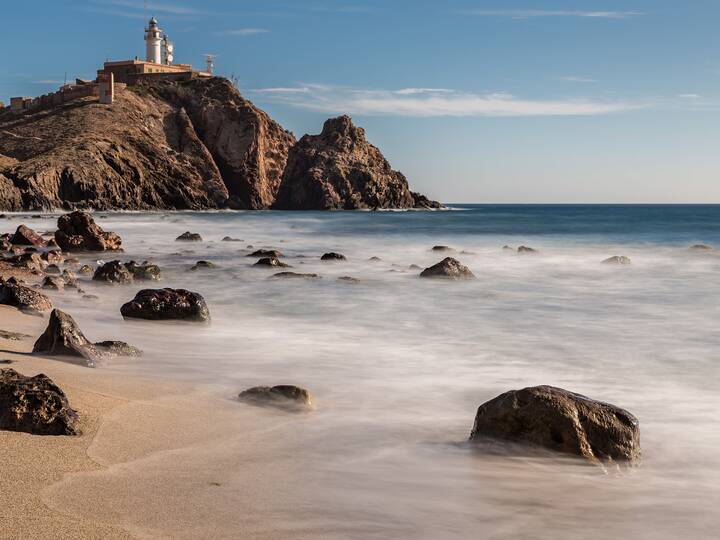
[153,42]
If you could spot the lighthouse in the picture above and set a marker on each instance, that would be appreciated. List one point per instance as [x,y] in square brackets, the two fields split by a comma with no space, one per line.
[153,42]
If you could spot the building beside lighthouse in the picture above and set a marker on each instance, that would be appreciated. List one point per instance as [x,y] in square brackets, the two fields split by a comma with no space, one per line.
[158,63]
[116,75]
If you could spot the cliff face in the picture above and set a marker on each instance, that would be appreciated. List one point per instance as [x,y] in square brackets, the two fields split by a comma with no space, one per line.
[339,169]
[187,145]
[141,153]
[249,148]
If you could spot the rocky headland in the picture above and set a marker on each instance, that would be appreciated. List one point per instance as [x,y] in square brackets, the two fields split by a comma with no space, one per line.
[195,145]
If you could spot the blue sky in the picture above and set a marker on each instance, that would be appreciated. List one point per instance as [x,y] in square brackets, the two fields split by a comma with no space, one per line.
[475,101]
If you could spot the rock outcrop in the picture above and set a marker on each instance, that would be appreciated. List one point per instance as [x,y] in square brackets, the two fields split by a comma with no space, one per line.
[77,231]
[561,421]
[35,405]
[114,272]
[167,304]
[340,169]
[25,236]
[63,337]
[288,397]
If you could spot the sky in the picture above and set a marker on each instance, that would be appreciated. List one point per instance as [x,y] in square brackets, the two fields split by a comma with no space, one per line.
[502,101]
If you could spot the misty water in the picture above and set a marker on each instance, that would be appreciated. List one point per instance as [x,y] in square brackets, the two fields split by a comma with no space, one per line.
[399,366]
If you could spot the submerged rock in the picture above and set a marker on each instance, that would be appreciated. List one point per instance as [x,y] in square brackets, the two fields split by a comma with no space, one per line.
[78,231]
[272,261]
[266,253]
[113,272]
[231,239]
[144,271]
[13,336]
[332,256]
[617,259]
[442,248]
[288,397]
[167,304]
[526,250]
[62,337]
[448,268]
[35,405]
[293,275]
[203,265]
[86,269]
[53,284]
[118,348]
[25,236]
[187,236]
[348,279]
[561,421]
[23,298]
[701,247]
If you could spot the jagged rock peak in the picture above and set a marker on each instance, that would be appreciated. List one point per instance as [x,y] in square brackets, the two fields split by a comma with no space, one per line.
[340,169]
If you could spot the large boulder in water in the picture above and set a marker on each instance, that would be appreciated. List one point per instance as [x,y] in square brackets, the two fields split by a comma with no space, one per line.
[25,236]
[23,298]
[167,304]
[340,169]
[62,337]
[562,421]
[448,268]
[35,405]
[288,397]
[78,231]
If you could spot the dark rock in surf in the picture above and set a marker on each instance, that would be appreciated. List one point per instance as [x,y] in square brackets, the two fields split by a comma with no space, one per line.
[23,298]
[144,271]
[526,250]
[62,337]
[443,249]
[25,236]
[272,262]
[203,265]
[266,253]
[78,231]
[118,348]
[230,239]
[52,284]
[348,279]
[293,275]
[113,272]
[287,397]
[86,269]
[187,236]
[165,305]
[448,268]
[35,405]
[332,256]
[701,247]
[561,421]
[617,260]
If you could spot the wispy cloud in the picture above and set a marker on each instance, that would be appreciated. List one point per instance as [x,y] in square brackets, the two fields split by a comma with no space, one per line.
[426,102]
[534,13]
[154,7]
[689,96]
[576,79]
[242,32]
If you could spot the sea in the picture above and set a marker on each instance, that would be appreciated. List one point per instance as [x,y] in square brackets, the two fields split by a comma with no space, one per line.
[398,365]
